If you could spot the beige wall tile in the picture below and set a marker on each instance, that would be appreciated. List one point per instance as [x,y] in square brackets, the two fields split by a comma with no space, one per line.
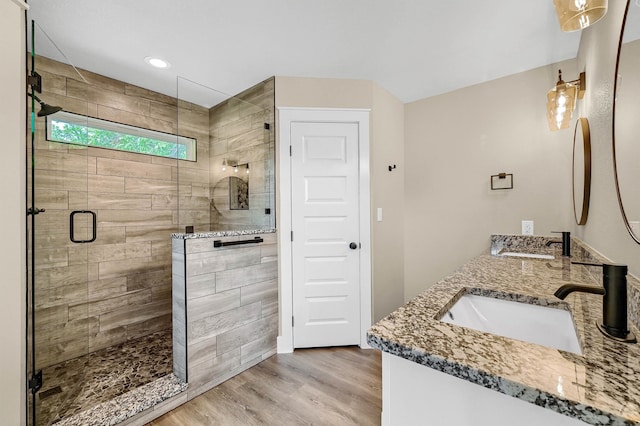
[246,276]
[53,199]
[106,183]
[119,155]
[158,98]
[213,304]
[209,370]
[222,260]
[136,185]
[110,269]
[138,314]
[202,351]
[118,201]
[260,291]
[100,96]
[150,279]
[246,333]
[133,119]
[217,324]
[112,167]
[149,233]
[201,285]
[105,305]
[161,218]
[49,179]
[256,348]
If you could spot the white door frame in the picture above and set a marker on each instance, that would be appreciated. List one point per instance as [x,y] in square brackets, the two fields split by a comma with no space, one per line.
[286,117]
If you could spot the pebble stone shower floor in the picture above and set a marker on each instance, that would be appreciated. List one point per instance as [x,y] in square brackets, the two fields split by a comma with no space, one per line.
[81,383]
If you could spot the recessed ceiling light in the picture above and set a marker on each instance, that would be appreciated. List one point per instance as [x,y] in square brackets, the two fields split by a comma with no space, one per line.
[157,62]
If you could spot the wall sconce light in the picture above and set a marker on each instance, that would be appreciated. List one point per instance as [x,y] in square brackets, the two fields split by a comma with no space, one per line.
[245,165]
[576,15]
[235,165]
[561,101]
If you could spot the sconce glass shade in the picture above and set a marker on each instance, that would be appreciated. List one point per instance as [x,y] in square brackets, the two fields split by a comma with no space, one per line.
[561,101]
[576,15]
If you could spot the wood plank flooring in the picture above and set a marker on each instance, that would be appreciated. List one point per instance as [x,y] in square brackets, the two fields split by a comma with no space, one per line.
[322,386]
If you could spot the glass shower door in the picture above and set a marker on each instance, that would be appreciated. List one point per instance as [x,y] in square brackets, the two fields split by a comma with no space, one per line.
[58,229]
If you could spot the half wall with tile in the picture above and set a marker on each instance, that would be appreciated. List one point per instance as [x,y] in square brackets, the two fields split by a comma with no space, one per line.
[225,305]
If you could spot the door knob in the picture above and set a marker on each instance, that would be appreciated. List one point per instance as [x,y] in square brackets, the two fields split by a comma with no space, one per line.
[353,246]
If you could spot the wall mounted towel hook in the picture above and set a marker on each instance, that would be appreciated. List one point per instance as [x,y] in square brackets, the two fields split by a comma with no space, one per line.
[392,167]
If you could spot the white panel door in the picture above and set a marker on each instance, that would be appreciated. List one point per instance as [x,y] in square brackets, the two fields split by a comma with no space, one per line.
[325,223]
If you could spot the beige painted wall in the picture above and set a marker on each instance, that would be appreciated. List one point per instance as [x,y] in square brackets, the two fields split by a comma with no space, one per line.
[604,230]
[387,193]
[453,144]
[386,188]
[12,215]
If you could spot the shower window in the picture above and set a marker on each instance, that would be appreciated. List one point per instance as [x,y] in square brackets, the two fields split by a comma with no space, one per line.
[66,127]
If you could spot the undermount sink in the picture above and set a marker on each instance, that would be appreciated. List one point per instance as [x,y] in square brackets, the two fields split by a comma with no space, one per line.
[528,255]
[542,325]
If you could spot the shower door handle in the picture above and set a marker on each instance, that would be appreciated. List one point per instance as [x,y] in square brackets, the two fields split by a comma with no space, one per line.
[71,226]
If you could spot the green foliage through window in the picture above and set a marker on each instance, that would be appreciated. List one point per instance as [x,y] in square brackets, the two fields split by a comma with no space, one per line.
[80,130]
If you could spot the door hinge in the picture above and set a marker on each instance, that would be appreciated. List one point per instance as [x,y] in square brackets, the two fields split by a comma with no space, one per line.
[35,382]
[34,211]
[293,321]
[290,151]
[291,235]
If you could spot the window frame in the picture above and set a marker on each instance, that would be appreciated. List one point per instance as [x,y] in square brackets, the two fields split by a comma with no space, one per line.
[121,128]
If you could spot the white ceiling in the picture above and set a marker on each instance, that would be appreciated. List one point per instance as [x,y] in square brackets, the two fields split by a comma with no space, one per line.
[413,48]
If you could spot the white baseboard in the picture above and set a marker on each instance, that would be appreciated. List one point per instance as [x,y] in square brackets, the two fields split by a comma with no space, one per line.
[284,345]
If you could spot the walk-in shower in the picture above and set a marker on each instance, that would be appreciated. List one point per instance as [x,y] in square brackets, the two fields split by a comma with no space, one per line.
[99,273]
[99,218]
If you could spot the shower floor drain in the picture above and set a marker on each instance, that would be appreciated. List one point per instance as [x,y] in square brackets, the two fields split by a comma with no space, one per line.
[50,392]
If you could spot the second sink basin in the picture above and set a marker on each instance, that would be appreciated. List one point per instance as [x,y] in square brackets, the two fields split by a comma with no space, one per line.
[543,325]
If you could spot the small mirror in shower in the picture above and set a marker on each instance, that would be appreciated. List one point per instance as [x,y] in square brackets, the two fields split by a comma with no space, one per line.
[238,193]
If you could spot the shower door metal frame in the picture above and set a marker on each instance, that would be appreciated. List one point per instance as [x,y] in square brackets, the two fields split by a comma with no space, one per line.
[34,375]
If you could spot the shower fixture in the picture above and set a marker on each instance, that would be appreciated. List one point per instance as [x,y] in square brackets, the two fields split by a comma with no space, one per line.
[45,109]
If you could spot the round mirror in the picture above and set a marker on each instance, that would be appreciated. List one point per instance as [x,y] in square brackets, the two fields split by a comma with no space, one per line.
[581,170]
[626,110]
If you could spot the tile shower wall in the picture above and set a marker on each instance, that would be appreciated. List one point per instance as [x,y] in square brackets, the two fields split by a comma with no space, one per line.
[238,135]
[91,296]
[225,308]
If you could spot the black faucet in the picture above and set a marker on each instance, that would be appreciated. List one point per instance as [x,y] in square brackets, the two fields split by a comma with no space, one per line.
[614,301]
[566,242]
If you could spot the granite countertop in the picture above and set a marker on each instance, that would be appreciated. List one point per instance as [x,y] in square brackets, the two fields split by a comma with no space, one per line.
[222,233]
[602,386]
